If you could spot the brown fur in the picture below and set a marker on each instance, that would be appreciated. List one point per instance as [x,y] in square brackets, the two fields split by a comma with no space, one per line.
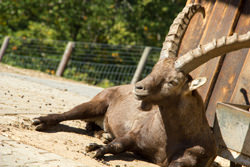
[167,126]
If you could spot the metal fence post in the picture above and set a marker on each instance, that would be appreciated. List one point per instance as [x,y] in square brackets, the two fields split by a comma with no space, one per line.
[65,59]
[4,47]
[141,64]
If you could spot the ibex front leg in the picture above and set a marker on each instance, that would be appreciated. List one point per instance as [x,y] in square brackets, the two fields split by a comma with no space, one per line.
[94,108]
[118,145]
[192,157]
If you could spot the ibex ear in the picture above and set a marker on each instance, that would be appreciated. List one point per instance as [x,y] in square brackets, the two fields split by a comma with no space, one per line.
[196,83]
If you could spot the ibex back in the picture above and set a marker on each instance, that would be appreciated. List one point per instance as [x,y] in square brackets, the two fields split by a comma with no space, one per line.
[161,117]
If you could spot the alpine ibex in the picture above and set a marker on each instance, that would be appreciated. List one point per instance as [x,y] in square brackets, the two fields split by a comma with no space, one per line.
[161,117]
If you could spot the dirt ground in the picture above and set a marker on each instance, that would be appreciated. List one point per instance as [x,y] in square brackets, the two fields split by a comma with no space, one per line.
[22,100]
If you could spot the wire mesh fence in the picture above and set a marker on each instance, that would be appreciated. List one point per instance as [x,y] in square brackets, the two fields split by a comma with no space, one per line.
[43,55]
[1,39]
[100,64]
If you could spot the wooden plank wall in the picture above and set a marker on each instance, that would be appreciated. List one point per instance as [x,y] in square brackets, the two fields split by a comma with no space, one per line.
[226,75]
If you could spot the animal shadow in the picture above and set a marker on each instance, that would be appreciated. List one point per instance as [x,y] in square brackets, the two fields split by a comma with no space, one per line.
[67,128]
[126,156]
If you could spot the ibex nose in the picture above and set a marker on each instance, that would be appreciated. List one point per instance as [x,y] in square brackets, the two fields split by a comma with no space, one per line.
[139,87]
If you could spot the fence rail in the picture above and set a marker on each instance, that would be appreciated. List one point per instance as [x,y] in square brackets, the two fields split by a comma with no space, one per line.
[94,63]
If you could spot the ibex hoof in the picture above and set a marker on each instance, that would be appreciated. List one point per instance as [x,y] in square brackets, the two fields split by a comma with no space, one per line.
[36,121]
[92,147]
[40,126]
[94,150]
[98,154]
[95,154]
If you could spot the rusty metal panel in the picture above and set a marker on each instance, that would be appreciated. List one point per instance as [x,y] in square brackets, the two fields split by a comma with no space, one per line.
[232,131]
[230,78]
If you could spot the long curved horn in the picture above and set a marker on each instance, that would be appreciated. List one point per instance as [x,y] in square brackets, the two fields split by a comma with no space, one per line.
[200,55]
[177,30]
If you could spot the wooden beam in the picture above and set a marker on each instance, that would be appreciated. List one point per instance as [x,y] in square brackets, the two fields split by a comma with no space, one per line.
[4,47]
[141,64]
[65,59]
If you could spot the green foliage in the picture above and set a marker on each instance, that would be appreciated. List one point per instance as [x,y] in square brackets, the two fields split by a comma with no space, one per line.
[116,22]
[72,73]
[34,31]
[143,22]
[105,83]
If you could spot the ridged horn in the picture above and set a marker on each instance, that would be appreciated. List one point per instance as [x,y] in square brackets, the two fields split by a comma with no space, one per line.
[203,53]
[177,30]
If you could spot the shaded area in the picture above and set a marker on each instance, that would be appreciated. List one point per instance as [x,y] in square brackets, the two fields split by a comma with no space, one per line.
[66,128]
[125,156]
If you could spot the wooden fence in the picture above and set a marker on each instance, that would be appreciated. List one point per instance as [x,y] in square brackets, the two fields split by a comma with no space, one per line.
[131,68]
[227,75]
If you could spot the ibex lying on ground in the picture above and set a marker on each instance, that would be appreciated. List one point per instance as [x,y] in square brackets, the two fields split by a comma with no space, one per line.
[161,117]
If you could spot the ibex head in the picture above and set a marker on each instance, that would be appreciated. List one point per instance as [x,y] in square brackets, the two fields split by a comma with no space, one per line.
[170,75]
